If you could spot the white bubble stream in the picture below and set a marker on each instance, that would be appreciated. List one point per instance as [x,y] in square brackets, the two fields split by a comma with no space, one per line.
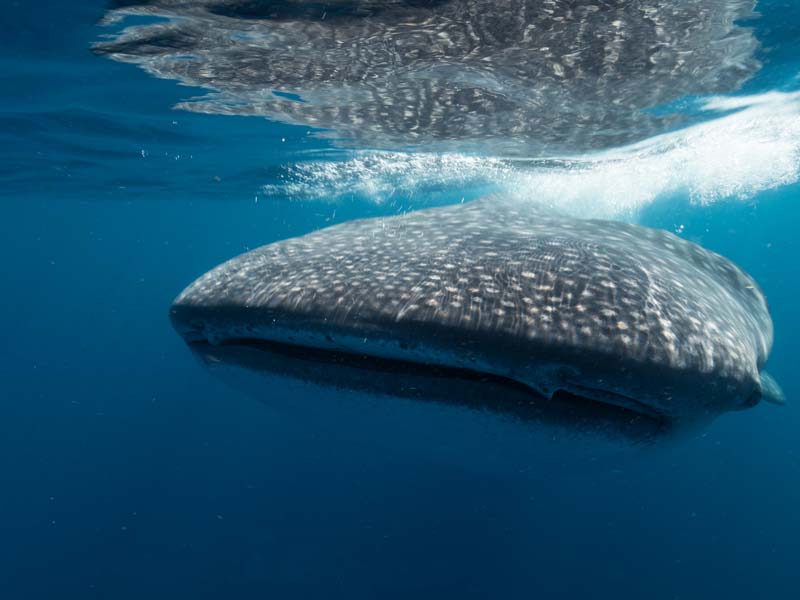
[751,144]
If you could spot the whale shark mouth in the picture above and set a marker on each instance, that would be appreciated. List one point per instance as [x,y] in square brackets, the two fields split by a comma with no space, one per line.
[428,382]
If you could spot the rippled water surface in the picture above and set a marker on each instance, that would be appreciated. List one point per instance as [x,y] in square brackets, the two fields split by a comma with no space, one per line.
[144,142]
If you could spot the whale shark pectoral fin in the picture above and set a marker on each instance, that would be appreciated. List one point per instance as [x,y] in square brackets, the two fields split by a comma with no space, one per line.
[770,390]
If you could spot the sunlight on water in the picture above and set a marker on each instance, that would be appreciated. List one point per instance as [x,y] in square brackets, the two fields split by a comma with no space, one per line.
[754,147]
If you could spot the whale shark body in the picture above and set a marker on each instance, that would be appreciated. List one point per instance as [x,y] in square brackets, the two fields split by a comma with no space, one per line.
[610,313]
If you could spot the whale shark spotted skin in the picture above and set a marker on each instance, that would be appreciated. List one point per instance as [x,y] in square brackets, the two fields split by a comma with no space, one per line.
[621,314]
[517,77]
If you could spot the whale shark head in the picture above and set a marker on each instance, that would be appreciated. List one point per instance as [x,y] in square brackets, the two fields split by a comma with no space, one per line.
[612,313]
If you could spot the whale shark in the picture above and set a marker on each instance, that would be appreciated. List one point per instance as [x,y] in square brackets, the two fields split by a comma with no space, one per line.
[532,78]
[610,313]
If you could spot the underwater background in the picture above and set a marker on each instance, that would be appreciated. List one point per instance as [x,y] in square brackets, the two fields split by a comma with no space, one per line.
[128,470]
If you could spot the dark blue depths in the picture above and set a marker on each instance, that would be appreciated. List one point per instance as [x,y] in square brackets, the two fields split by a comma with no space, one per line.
[129,471]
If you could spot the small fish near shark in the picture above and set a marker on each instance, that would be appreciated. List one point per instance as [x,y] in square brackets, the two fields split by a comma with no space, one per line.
[581,312]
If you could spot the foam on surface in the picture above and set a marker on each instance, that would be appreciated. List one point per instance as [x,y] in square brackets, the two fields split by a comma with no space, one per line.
[737,154]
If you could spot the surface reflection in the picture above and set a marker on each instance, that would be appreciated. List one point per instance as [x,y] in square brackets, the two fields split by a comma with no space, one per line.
[516,77]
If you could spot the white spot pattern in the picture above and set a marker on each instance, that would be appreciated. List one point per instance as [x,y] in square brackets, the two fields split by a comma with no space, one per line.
[513,288]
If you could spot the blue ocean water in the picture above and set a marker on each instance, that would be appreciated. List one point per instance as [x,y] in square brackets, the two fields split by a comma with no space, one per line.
[129,470]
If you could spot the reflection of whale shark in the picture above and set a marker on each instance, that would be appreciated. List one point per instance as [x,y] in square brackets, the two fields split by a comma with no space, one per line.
[613,313]
[523,76]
